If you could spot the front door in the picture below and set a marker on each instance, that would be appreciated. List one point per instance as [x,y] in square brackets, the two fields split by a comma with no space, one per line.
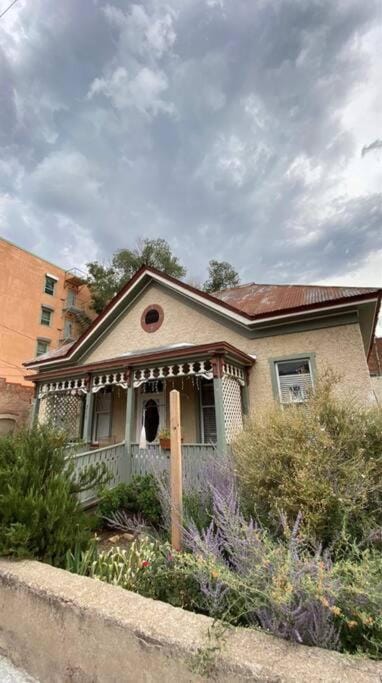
[151,412]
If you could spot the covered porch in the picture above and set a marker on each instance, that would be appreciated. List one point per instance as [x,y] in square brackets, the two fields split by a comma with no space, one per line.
[120,408]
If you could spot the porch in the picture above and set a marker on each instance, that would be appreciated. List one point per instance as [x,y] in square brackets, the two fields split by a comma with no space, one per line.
[117,415]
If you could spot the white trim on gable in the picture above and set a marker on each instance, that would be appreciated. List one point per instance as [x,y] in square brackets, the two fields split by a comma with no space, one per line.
[242,320]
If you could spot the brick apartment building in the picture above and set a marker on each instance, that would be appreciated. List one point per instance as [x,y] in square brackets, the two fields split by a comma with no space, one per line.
[42,306]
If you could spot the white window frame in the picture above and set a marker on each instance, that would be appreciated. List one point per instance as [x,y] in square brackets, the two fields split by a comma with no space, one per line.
[42,341]
[304,359]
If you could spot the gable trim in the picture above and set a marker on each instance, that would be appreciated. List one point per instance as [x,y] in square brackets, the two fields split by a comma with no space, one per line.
[202,298]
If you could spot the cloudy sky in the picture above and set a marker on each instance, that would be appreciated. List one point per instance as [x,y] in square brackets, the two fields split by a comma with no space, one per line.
[245,130]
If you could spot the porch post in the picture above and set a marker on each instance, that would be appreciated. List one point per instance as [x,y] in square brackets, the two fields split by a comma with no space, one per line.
[129,422]
[35,407]
[88,417]
[217,369]
[245,393]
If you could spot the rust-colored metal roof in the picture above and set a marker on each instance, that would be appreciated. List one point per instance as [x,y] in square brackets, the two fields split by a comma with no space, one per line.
[257,300]
[375,358]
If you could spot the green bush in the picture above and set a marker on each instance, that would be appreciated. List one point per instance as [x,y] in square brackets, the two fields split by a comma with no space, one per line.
[323,459]
[40,515]
[140,496]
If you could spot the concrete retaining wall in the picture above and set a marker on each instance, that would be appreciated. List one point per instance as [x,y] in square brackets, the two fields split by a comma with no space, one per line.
[61,627]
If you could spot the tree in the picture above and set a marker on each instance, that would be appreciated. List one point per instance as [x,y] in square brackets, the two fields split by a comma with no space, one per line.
[105,281]
[220,276]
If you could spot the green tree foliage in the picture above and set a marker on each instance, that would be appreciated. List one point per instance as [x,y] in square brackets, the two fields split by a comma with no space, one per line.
[139,496]
[323,459]
[221,275]
[106,281]
[40,515]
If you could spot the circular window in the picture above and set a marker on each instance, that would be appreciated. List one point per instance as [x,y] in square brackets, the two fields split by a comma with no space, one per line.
[152,318]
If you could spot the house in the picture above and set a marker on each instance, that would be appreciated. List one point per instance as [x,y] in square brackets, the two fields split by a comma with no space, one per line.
[229,355]
[42,306]
[375,368]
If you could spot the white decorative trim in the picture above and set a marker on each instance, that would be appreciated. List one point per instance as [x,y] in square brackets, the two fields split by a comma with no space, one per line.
[235,372]
[107,380]
[69,386]
[200,368]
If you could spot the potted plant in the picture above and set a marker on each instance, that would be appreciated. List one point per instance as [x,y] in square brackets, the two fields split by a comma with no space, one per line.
[164,439]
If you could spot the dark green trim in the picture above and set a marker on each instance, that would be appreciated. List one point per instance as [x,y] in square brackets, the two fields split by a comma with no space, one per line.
[245,399]
[310,355]
[129,427]
[88,418]
[221,443]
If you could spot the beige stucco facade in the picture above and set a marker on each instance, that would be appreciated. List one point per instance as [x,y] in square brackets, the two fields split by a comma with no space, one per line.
[337,347]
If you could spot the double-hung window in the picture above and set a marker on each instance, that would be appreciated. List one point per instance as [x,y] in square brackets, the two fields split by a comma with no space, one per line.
[50,283]
[46,316]
[42,346]
[294,379]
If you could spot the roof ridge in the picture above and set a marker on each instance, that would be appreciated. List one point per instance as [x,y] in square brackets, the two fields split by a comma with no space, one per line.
[291,284]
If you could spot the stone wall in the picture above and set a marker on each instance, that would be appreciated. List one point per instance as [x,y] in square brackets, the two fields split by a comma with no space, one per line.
[63,627]
[15,405]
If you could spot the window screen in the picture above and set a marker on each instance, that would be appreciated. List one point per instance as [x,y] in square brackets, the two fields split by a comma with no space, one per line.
[294,380]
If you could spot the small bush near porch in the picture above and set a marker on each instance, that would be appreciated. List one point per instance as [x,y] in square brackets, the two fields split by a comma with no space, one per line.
[40,515]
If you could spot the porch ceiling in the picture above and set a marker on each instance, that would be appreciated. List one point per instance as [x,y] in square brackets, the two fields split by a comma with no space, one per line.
[171,354]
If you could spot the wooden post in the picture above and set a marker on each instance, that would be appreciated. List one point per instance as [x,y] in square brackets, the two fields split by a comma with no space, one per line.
[88,415]
[176,471]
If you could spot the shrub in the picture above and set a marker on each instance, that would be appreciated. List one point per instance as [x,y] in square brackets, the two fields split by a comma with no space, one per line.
[40,515]
[323,459]
[140,496]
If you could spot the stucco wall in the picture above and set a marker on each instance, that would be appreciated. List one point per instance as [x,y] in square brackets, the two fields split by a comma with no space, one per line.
[338,347]
[80,630]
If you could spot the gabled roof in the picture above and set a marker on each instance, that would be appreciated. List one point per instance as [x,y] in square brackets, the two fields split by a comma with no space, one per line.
[375,358]
[246,305]
[257,299]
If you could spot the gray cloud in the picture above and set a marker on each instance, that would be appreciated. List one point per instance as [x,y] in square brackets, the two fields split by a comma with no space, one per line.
[214,123]
[377,144]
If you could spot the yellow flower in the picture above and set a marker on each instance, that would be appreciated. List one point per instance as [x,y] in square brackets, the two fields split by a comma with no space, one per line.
[352,623]
[214,574]
[324,602]
[336,610]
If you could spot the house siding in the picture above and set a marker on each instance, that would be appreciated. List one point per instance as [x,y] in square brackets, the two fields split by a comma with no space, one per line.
[340,347]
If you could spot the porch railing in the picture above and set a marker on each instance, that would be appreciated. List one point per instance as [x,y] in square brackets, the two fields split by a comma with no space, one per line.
[113,456]
[151,459]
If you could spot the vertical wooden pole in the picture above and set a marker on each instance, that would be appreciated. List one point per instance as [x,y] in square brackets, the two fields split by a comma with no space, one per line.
[176,471]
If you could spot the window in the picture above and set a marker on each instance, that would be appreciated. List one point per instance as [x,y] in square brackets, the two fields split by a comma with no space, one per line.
[207,408]
[152,318]
[102,421]
[46,316]
[294,379]
[50,283]
[71,298]
[42,346]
